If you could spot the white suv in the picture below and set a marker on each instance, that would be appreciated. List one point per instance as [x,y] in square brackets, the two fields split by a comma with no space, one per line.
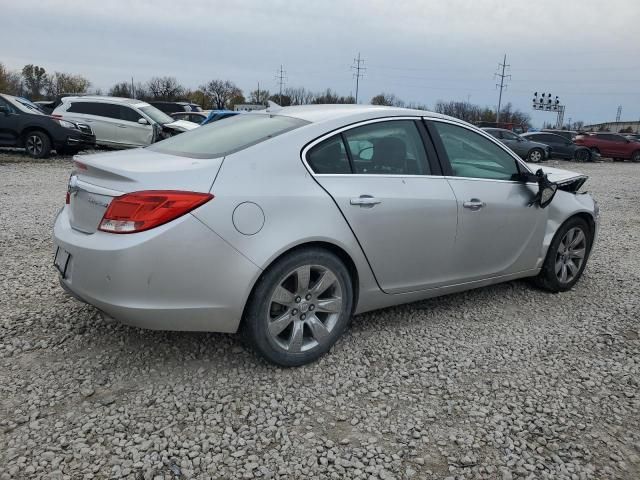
[121,122]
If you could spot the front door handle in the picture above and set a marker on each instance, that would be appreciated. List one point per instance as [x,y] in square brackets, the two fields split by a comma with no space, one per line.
[365,201]
[474,204]
[122,126]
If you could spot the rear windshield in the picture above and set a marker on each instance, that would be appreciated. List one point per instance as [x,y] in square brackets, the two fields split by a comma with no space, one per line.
[227,136]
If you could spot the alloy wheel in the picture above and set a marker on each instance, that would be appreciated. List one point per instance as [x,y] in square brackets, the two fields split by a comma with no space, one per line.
[34,145]
[570,255]
[535,156]
[304,308]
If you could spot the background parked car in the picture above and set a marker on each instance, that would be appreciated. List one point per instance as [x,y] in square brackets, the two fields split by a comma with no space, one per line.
[195,117]
[24,125]
[568,134]
[171,107]
[561,147]
[612,145]
[205,117]
[531,151]
[121,122]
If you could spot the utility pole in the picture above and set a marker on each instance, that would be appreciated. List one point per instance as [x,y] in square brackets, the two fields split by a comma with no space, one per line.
[281,77]
[258,93]
[619,113]
[133,90]
[359,72]
[502,85]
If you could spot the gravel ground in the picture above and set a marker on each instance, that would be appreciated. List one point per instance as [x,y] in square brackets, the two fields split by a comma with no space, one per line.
[502,382]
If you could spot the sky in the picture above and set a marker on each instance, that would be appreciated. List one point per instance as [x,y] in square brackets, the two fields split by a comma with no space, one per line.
[584,51]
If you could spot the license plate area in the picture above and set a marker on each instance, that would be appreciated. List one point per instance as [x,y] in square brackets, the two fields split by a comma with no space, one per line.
[61,261]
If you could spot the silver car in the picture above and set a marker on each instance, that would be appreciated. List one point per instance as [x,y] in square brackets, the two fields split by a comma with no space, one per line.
[284,223]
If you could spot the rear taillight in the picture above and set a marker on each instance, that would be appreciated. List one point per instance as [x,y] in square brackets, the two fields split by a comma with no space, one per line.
[139,211]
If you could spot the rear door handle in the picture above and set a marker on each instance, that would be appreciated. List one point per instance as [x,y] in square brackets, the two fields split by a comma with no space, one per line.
[365,201]
[474,204]
[122,126]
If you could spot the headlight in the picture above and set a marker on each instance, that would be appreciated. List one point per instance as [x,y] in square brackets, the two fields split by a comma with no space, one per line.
[65,124]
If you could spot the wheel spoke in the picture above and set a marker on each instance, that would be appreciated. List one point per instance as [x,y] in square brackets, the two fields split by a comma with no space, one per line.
[559,264]
[318,329]
[572,267]
[282,296]
[329,305]
[579,253]
[326,280]
[277,325]
[295,342]
[577,239]
[563,273]
[303,275]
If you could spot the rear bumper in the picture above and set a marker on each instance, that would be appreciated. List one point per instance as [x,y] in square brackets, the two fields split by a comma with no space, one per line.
[179,276]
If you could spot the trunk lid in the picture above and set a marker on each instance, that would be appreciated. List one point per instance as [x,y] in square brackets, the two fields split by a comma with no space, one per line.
[97,179]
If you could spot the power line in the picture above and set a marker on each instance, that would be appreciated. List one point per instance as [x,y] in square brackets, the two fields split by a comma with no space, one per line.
[359,72]
[281,77]
[502,76]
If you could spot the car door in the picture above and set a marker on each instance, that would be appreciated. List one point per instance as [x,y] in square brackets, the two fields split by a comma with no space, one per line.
[9,124]
[498,232]
[560,147]
[390,191]
[129,131]
[619,146]
[97,115]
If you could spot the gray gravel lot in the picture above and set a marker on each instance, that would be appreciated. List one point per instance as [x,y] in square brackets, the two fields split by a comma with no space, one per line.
[501,382]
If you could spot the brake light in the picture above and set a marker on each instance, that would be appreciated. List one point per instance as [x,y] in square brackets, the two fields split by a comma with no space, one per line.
[139,211]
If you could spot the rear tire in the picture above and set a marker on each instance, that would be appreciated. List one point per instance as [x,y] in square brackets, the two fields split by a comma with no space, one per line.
[535,155]
[299,307]
[635,157]
[582,155]
[37,144]
[567,256]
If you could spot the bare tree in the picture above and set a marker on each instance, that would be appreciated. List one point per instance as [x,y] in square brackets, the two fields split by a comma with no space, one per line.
[164,88]
[259,97]
[299,95]
[388,99]
[221,92]
[122,89]
[331,97]
[10,82]
[63,83]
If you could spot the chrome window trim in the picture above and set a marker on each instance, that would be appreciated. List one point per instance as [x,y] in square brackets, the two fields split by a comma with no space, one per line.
[487,136]
[338,131]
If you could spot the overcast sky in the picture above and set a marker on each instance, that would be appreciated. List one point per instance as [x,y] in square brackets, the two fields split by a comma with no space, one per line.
[584,51]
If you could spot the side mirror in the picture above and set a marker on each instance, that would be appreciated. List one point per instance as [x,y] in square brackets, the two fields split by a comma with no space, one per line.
[546,190]
[143,121]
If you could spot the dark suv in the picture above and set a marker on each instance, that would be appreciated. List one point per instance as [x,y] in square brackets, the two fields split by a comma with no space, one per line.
[24,125]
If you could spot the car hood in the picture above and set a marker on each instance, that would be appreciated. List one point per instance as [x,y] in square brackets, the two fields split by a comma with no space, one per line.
[561,176]
[182,125]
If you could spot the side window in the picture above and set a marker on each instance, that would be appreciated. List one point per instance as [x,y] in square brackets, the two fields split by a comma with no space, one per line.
[387,148]
[473,156]
[510,136]
[329,156]
[129,114]
[494,133]
[81,107]
[10,108]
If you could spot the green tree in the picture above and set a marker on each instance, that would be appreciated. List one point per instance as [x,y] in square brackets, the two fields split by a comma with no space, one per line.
[35,80]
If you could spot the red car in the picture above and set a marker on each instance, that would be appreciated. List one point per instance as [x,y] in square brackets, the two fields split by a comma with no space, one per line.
[610,145]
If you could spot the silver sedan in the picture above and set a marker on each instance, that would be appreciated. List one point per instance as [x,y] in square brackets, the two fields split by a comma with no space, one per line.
[284,223]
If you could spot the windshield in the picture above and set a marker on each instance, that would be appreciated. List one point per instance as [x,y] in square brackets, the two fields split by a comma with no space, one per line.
[156,115]
[25,105]
[227,136]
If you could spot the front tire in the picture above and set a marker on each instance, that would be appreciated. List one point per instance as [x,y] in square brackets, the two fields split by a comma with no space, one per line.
[582,155]
[535,155]
[299,307]
[37,144]
[567,256]
[635,157]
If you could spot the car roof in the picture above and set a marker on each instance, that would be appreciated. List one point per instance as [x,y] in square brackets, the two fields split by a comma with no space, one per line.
[320,113]
[100,98]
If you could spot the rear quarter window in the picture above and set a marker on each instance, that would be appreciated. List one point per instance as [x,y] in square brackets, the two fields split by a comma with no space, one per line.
[236,133]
